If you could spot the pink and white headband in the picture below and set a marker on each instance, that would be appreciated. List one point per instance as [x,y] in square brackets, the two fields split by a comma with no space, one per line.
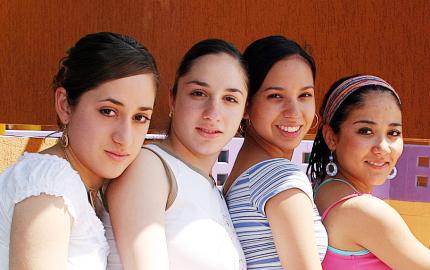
[348,87]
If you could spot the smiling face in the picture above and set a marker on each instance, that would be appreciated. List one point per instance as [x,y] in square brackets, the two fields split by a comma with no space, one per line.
[282,110]
[107,127]
[208,106]
[369,142]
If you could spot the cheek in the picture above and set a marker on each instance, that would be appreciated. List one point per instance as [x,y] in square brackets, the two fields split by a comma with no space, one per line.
[308,110]
[397,150]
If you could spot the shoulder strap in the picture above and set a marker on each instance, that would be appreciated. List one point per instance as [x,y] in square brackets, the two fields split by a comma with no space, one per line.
[343,199]
[173,186]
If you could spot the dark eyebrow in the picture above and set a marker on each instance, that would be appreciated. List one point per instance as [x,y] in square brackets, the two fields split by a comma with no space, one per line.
[119,103]
[204,84]
[198,83]
[374,123]
[282,89]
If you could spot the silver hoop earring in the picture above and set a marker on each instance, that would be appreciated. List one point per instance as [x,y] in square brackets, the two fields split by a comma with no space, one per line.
[331,167]
[170,114]
[392,174]
[64,140]
[317,122]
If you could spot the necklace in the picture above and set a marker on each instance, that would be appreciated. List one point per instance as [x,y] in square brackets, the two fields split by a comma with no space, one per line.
[92,193]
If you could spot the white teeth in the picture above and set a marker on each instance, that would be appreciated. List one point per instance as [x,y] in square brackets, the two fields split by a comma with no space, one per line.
[376,164]
[289,129]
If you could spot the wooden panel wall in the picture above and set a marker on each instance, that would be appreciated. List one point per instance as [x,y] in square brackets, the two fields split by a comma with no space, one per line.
[382,37]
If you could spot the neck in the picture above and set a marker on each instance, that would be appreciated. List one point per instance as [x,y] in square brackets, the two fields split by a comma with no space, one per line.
[91,181]
[255,140]
[202,162]
[358,185]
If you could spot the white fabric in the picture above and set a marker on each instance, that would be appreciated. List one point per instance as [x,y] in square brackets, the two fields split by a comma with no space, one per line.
[35,174]
[199,231]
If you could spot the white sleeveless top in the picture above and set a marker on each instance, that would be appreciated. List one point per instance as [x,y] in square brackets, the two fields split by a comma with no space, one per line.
[34,174]
[198,227]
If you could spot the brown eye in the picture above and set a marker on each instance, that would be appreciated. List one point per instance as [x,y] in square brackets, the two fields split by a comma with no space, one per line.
[275,96]
[141,118]
[198,93]
[231,99]
[365,131]
[107,112]
[395,133]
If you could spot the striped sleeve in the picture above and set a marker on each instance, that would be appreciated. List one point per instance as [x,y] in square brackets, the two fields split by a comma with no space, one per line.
[271,177]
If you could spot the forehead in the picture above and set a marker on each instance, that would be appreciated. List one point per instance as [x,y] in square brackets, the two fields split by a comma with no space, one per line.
[377,106]
[220,68]
[290,72]
[134,90]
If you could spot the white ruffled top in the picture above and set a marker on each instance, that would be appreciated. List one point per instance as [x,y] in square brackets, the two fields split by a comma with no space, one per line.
[34,174]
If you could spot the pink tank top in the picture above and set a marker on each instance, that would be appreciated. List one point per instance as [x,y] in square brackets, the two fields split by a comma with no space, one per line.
[336,259]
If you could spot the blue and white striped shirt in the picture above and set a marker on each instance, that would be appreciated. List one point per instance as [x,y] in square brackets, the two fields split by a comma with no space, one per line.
[246,200]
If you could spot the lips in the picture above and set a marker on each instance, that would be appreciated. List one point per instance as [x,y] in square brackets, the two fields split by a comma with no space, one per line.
[208,132]
[119,156]
[378,164]
[289,131]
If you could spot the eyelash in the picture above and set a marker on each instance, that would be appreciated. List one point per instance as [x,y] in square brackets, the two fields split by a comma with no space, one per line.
[365,131]
[144,117]
[303,95]
[107,111]
[198,93]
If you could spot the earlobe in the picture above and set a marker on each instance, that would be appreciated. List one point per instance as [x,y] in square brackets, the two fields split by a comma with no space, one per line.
[62,105]
[330,137]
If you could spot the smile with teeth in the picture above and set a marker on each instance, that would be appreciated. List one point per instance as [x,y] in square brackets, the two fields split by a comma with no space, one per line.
[209,131]
[289,128]
[377,164]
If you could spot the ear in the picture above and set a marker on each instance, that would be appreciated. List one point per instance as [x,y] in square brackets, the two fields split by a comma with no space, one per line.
[330,137]
[62,106]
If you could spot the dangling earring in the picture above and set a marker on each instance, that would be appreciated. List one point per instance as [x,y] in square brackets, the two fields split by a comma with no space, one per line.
[316,123]
[331,167]
[64,140]
[392,174]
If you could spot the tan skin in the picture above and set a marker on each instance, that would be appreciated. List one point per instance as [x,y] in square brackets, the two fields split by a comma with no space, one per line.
[285,99]
[108,121]
[210,99]
[367,147]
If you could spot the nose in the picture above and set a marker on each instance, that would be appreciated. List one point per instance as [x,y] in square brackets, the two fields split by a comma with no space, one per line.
[211,110]
[122,133]
[290,108]
[382,146]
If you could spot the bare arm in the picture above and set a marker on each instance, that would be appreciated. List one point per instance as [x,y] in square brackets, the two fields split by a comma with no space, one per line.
[290,215]
[40,234]
[137,202]
[387,236]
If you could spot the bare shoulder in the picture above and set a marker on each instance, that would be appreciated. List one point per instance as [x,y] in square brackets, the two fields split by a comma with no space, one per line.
[42,204]
[145,169]
[40,218]
[372,213]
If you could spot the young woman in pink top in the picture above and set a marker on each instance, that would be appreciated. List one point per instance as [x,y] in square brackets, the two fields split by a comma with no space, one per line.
[356,148]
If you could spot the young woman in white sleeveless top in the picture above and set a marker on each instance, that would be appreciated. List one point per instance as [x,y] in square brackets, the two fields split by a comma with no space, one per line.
[269,198]
[104,94]
[172,215]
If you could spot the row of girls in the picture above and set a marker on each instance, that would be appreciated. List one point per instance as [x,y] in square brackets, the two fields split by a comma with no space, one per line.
[162,210]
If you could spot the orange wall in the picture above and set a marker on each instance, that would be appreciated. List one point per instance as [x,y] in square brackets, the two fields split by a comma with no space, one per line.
[383,37]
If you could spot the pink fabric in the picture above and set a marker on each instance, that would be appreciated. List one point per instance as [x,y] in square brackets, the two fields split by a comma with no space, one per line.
[333,261]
